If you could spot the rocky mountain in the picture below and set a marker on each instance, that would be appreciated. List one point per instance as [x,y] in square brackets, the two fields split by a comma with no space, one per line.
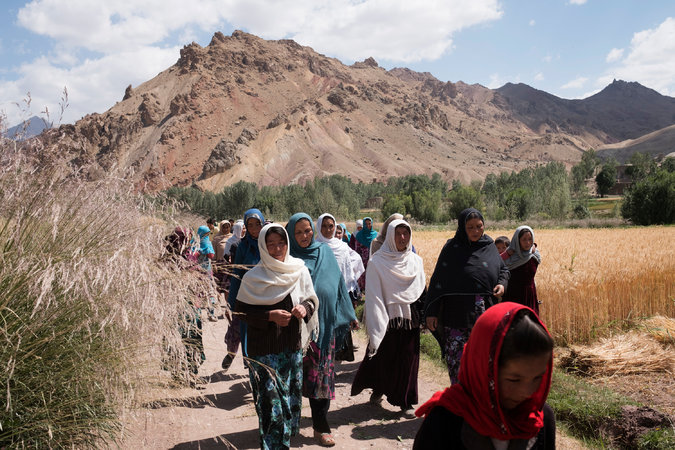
[28,129]
[275,112]
[658,144]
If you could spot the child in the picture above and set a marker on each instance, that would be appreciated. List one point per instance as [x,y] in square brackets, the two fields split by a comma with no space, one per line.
[522,259]
[504,379]
[502,242]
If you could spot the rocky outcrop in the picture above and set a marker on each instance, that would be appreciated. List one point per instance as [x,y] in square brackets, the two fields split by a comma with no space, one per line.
[223,157]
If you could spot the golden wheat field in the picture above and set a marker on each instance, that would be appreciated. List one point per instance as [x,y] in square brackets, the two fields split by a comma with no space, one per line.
[590,278]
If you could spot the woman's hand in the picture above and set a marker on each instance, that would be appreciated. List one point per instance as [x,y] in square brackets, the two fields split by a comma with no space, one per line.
[299,311]
[498,291]
[280,317]
[432,323]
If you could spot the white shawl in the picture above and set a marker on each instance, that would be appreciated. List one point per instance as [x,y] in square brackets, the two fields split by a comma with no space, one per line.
[237,228]
[394,280]
[271,280]
[520,257]
[350,262]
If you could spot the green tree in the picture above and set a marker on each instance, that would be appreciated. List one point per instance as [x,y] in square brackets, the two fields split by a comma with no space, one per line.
[651,200]
[606,178]
[641,165]
[462,197]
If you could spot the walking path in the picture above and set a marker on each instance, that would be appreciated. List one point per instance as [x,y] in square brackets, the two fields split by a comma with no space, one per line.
[221,414]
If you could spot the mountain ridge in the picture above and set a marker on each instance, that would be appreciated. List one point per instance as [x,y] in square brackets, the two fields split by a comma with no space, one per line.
[276,112]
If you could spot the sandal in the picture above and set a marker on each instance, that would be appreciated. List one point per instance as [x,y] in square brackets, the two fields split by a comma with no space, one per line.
[325,439]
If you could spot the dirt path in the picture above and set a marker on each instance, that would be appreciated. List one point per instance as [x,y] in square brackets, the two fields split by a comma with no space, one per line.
[223,411]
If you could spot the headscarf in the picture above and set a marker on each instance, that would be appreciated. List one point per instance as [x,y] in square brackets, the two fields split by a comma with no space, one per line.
[519,256]
[359,223]
[350,262]
[366,236]
[220,241]
[465,267]
[248,254]
[379,240]
[335,308]
[476,396]
[271,280]
[235,238]
[346,235]
[205,246]
[394,280]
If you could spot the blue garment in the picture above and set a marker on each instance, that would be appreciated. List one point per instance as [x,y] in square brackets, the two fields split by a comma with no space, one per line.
[205,248]
[366,236]
[335,307]
[247,254]
[346,235]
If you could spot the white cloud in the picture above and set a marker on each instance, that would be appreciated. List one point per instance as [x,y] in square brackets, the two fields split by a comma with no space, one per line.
[614,55]
[577,2]
[532,22]
[127,42]
[539,76]
[577,83]
[650,59]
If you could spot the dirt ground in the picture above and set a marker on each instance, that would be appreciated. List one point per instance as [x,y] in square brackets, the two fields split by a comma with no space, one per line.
[221,414]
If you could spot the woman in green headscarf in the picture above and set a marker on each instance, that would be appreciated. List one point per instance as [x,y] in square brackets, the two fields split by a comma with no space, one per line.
[336,313]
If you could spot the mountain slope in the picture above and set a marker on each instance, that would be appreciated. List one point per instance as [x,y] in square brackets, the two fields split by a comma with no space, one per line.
[275,112]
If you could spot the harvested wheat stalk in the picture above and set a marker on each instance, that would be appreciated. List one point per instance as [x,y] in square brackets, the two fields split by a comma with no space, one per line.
[661,328]
[630,353]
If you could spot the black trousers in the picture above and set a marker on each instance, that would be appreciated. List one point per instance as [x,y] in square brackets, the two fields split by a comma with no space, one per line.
[319,412]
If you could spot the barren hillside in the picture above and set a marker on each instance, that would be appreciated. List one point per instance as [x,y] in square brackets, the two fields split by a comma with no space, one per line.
[275,112]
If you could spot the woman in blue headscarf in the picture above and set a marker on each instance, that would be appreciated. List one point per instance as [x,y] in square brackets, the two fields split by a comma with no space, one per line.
[346,235]
[206,254]
[336,314]
[247,256]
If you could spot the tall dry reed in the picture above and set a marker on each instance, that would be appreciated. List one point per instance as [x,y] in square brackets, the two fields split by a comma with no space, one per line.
[591,278]
[87,309]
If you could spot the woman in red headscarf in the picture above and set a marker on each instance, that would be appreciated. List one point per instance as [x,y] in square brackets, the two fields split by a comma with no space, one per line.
[504,379]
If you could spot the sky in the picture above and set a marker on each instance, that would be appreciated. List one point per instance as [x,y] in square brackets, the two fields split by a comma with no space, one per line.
[88,51]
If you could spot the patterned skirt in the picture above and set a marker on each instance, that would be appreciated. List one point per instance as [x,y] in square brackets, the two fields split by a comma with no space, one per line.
[319,372]
[454,340]
[276,380]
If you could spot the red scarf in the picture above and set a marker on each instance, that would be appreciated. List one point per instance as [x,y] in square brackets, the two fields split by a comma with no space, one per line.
[476,397]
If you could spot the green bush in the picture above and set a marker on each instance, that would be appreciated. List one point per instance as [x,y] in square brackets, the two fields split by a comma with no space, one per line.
[651,200]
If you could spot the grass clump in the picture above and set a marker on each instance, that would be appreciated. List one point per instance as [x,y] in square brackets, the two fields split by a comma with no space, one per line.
[86,306]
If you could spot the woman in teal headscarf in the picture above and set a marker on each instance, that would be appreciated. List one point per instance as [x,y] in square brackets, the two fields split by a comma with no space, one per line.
[362,241]
[336,314]
[346,235]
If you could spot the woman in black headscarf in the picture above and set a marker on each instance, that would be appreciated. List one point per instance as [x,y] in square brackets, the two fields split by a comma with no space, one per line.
[469,277]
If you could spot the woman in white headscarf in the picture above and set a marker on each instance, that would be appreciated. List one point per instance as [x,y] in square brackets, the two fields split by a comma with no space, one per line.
[395,286]
[278,302]
[233,242]
[351,267]
[382,235]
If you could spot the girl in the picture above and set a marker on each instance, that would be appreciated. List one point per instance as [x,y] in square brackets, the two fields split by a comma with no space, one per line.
[504,380]
[277,301]
[522,259]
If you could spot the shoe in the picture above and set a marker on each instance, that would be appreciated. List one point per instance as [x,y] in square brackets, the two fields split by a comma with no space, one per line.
[227,361]
[324,439]
[408,411]
[375,399]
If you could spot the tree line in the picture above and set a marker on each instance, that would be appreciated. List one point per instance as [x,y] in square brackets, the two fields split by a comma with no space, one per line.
[547,192]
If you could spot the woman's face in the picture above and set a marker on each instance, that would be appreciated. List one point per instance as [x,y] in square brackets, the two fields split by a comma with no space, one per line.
[303,233]
[526,241]
[402,237]
[253,226]
[520,378]
[327,227]
[225,228]
[338,233]
[367,224]
[276,246]
[474,229]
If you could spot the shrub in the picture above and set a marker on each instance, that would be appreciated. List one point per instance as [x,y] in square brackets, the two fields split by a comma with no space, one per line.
[85,311]
[651,200]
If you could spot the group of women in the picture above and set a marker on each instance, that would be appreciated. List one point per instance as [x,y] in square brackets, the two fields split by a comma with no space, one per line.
[292,297]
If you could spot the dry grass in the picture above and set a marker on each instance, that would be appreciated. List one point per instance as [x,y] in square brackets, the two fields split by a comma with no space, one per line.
[590,278]
[625,354]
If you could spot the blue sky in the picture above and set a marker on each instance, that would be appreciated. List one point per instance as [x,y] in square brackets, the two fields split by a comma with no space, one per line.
[569,48]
